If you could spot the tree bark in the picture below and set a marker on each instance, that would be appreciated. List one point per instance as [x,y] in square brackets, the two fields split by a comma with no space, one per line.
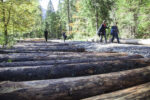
[67,61]
[68,15]
[52,48]
[40,44]
[35,41]
[140,92]
[6,22]
[74,88]
[68,70]
[54,56]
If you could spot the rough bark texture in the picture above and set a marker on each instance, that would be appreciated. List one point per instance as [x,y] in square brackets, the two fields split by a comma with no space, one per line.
[50,56]
[66,61]
[68,70]
[40,44]
[35,41]
[73,88]
[140,92]
[39,49]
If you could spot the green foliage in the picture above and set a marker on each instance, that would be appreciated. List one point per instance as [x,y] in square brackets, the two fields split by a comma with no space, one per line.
[18,17]
[80,19]
[133,18]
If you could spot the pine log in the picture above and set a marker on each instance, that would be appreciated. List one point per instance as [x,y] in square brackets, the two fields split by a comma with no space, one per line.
[73,88]
[40,44]
[67,61]
[50,56]
[31,41]
[68,70]
[39,49]
[140,92]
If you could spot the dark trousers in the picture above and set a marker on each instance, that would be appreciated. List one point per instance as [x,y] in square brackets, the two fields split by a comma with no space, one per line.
[46,37]
[103,35]
[65,37]
[115,35]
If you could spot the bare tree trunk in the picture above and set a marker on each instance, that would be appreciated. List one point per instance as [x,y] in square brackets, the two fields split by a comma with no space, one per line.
[68,12]
[6,22]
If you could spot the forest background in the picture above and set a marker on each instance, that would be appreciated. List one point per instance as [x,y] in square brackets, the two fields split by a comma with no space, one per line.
[80,19]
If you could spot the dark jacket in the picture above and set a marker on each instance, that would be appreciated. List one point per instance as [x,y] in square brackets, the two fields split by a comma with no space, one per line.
[64,35]
[45,33]
[102,29]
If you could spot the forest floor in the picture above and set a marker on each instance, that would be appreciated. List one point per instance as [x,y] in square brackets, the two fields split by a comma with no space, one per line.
[132,49]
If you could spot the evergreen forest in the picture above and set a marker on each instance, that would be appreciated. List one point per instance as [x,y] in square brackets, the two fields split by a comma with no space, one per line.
[80,19]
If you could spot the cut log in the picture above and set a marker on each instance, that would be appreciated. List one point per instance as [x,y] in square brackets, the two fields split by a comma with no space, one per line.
[67,61]
[73,88]
[40,44]
[39,49]
[140,92]
[49,56]
[68,70]
[31,41]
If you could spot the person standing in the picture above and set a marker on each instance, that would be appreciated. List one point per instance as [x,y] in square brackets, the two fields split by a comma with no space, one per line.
[114,33]
[102,31]
[64,36]
[46,35]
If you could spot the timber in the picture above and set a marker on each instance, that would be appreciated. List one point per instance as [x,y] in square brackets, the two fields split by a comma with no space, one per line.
[140,92]
[31,41]
[74,88]
[39,49]
[69,70]
[67,61]
[51,56]
[40,44]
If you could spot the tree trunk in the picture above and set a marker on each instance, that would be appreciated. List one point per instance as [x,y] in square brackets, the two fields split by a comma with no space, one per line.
[6,22]
[68,70]
[55,56]
[68,13]
[66,61]
[5,25]
[140,92]
[73,88]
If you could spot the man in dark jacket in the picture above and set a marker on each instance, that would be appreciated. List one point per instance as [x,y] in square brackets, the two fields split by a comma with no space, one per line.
[114,33]
[64,36]
[102,31]
[46,34]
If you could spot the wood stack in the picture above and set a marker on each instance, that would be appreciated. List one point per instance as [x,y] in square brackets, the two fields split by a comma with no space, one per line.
[73,75]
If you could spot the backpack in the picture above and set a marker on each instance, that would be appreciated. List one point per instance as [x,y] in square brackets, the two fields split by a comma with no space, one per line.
[113,30]
[99,31]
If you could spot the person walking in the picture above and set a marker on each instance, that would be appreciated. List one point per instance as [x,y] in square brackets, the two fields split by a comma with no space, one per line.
[46,35]
[102,31]
[115,32]
[64,36]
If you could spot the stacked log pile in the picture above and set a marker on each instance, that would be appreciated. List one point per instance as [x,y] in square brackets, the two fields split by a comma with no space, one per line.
[33,71]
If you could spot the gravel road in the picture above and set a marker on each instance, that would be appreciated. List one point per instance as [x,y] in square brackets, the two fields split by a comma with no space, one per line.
[114,47]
